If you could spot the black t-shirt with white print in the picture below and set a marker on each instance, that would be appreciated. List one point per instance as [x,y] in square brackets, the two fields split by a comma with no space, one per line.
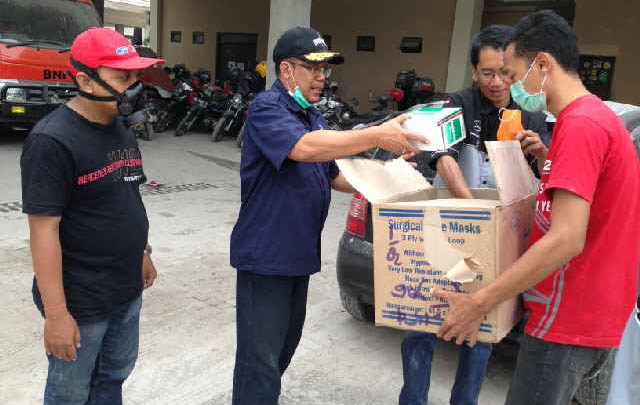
[89,175]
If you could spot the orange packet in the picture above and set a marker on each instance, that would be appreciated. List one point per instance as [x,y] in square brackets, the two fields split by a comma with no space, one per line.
[510,124]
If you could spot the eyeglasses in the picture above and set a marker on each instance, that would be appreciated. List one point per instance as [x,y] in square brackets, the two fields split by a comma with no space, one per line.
[487,76]
[317,70]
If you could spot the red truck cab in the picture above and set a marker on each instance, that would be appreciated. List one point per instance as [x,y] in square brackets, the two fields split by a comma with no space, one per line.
[35,37]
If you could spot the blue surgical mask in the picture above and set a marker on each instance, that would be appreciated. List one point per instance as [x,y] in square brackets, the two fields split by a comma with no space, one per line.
[529,102]
[297,95]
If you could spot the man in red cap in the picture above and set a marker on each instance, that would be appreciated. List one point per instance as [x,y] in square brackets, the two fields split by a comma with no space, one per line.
[81,171]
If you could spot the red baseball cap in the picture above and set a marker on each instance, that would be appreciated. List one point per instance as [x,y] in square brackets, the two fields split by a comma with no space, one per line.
[103,47]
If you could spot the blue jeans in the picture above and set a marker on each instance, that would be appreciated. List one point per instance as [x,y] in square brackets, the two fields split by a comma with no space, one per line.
[270,313]
[417,353]
[108,352]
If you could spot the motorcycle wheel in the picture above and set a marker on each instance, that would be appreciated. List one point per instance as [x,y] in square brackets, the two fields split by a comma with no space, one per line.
[218,131]
[162,124]
[186,123]
[240,136]
[182,128]
[147,133]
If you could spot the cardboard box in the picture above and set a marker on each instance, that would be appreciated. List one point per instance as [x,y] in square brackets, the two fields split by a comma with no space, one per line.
[423,238]
[443,127]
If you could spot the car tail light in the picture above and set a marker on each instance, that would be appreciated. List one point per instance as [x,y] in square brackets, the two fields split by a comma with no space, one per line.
[357,217]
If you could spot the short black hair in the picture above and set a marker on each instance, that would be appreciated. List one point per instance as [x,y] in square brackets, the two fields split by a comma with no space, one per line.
[493,36]
[546,31]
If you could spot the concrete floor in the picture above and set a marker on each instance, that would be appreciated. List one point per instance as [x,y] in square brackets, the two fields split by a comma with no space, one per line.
[187,341]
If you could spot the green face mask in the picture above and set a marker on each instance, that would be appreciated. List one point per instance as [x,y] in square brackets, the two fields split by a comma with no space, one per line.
[300,98]
[529,102]
[297,95]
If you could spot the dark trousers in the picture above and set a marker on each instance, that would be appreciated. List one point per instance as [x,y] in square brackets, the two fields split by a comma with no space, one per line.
[270,313]
[550,373]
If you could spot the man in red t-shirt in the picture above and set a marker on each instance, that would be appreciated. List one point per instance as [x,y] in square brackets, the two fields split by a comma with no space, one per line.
[579,276]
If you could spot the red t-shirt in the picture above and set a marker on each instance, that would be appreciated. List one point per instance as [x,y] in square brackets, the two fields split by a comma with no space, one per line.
[587,302]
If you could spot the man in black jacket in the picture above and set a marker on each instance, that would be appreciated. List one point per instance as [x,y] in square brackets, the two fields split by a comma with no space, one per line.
[461,168]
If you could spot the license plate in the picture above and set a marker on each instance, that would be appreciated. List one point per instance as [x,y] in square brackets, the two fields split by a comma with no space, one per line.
[18,109]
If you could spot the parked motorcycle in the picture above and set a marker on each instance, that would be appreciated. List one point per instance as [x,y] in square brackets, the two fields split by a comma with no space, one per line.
[206,104]
[415,90]
[381,107]
[240,137]
[158,91]
[245,84]
[334,110]
[233,117]
[166,108]
[205,109]
[169,113]
[140,120]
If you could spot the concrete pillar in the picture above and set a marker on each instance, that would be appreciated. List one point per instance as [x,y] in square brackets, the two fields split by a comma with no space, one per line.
[154,24]
[284,14]
[467,23]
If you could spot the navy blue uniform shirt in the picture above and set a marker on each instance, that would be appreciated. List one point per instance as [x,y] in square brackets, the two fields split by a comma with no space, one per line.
[284,202]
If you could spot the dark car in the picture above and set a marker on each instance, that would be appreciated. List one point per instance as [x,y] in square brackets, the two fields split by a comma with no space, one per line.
[354,264]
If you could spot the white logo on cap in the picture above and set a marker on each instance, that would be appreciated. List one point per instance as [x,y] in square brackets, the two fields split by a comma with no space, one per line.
[319,41]
[122,50]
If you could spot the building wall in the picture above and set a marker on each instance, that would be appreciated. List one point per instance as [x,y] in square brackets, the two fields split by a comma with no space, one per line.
[607,31]
[211,17]
[362,74]
[124,17]
[504,16]
[613,31]
[388,21]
